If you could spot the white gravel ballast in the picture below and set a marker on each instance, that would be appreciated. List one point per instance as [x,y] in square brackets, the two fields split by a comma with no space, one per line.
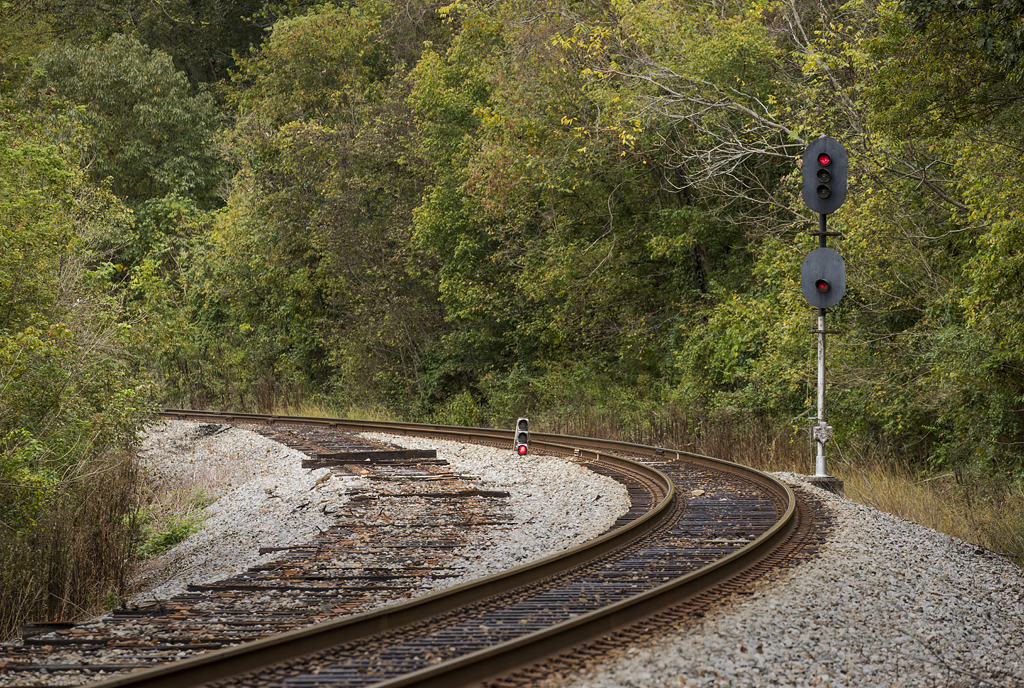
[258,484]
[255,484]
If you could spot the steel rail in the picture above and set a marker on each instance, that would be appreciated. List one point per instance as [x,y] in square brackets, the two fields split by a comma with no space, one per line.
[500,658]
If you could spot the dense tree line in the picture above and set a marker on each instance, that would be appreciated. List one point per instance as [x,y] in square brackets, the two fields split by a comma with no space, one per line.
[470,211]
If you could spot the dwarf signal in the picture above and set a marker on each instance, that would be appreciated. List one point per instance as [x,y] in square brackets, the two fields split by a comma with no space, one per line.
[522,439]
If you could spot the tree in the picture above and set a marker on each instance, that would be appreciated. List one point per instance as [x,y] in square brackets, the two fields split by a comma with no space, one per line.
[992,29]
[309,270]
[569,214]
[148,129]
[201,36]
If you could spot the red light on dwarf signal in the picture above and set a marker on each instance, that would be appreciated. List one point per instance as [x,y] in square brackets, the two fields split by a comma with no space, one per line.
[824,159]
[521,449]
[822,286]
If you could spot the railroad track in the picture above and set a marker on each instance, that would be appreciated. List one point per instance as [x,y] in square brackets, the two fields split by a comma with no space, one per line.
[698,529]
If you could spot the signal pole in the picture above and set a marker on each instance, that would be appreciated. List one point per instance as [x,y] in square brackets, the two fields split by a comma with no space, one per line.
[822,431]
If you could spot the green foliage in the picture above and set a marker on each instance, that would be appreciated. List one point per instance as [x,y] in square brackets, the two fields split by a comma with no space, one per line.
[154,544]
[590,213]
[28,486]
[71,402]
[324,65]
[148,130]
[579,399]
[461,409]
[750,352]
[304,285]
[544,251]
[201,36]
[993,29]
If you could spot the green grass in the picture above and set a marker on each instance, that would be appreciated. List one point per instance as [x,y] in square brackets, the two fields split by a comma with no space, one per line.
[169,518]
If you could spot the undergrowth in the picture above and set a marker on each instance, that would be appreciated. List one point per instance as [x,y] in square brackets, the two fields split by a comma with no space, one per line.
[169,519]
[76,557]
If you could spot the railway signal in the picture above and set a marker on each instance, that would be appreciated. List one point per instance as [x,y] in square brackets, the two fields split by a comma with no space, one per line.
[522,441]
[823,273]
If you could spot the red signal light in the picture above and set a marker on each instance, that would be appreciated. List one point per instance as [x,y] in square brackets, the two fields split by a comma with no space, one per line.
[824,159]
[522,449]
[822,286]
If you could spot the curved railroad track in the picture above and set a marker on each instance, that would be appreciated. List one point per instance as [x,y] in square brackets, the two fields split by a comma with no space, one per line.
[698,530]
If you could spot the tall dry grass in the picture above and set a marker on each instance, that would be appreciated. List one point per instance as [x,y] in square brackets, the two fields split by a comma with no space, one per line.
[313,409]
[989,514]
[78,557]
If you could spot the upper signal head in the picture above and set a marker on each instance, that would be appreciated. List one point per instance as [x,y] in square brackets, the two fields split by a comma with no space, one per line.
[824,172]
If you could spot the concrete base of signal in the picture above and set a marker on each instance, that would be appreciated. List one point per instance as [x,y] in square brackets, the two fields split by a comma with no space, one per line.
[827,482]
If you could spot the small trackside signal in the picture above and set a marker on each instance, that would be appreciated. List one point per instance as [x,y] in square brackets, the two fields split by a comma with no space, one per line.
[522,441]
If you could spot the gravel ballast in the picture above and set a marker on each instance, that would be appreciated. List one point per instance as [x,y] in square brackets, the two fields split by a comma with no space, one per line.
[258,484]
[556,504]
[886,603]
